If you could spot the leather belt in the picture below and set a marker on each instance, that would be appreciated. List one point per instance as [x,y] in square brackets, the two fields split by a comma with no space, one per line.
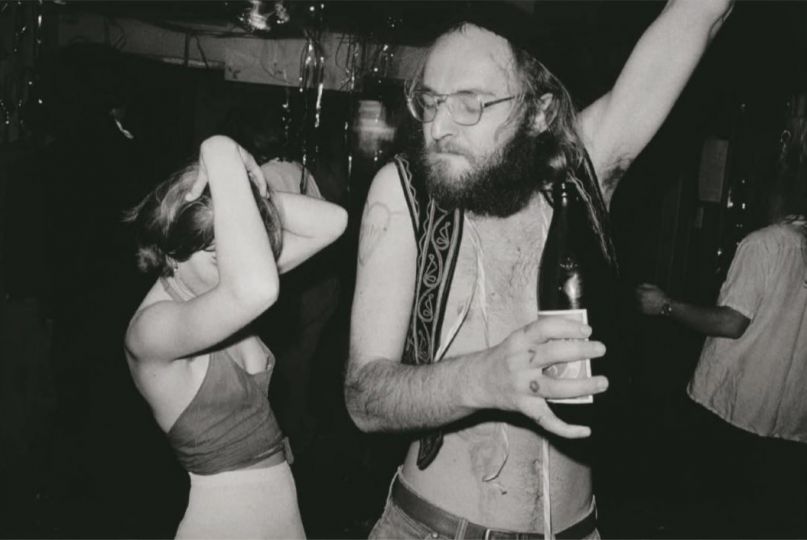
[447,524]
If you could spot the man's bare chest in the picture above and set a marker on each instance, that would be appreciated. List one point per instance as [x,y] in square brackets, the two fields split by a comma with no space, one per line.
[494,289]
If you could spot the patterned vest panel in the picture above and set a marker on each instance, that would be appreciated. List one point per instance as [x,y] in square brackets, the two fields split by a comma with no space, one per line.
[438,233]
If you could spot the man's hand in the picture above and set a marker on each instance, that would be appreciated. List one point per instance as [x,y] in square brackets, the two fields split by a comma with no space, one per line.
[516,380]
[651,299]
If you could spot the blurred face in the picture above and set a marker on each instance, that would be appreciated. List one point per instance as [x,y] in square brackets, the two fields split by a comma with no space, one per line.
[483,168]
[200,272]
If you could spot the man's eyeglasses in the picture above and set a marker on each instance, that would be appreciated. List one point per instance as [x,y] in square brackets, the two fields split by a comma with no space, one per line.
[465,107]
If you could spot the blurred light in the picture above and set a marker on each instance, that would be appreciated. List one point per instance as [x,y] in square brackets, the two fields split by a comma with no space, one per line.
[262,15]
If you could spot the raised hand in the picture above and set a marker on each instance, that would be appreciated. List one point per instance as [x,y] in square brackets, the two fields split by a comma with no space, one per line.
[254,172]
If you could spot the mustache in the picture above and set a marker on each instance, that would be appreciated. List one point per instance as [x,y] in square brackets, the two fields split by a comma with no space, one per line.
[446,147]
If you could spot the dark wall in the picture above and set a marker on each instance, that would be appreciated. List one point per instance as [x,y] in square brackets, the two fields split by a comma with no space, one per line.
[81,456]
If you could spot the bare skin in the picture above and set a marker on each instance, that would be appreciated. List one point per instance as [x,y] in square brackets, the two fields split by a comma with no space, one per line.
[488,392]
[472,455]
[167,342]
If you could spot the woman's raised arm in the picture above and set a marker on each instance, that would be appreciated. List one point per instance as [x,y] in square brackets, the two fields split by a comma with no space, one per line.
[247,281]
[309,225]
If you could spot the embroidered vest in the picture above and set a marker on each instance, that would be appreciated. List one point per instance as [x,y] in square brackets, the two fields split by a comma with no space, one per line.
[438,233]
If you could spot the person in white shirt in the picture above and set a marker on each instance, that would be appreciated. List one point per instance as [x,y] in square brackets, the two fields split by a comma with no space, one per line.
[752,376]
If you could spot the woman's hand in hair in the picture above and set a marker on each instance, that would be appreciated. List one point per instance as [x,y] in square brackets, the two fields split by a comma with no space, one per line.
[254,172]
[212,148]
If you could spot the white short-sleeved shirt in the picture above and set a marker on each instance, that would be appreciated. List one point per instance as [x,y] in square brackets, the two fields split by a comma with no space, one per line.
[758,382]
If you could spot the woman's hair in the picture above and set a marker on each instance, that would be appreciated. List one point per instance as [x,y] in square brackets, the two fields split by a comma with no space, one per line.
[170,228]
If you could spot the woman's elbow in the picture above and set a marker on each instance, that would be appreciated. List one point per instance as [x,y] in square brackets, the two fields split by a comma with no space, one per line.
[257,295]
[336,220]
[266,294]
[339,222]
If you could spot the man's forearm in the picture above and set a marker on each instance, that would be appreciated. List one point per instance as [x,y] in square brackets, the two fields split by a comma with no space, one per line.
[383,395]
[720,321]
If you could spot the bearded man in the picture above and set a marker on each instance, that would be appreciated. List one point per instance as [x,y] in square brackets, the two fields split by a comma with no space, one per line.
[445,339]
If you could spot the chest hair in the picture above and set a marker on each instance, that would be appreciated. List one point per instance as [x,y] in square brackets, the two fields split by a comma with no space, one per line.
[510,254]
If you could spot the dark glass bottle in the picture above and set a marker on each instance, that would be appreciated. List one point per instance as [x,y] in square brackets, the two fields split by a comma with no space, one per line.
[561,280]
[562,287]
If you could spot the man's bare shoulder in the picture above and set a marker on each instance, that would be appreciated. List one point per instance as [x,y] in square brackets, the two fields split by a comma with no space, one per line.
[386,182]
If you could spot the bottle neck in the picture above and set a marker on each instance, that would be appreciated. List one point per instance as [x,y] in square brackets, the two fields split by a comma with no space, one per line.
[561,273]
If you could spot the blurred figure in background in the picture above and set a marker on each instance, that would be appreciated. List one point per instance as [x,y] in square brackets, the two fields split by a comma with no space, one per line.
[751,378]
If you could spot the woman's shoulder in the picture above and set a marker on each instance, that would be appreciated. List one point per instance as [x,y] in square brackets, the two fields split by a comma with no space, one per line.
[156,294]
[135,330]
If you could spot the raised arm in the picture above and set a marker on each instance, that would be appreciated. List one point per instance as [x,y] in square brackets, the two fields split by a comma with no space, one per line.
[309,225]
[382,394]
[248,281]
[617,126]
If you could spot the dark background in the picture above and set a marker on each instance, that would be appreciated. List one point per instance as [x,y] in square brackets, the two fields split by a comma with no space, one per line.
[79,453]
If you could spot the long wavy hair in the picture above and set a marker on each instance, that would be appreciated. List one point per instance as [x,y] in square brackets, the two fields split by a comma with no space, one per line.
[566,156]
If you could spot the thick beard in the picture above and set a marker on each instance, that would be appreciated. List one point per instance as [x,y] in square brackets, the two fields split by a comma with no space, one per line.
[499,187]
